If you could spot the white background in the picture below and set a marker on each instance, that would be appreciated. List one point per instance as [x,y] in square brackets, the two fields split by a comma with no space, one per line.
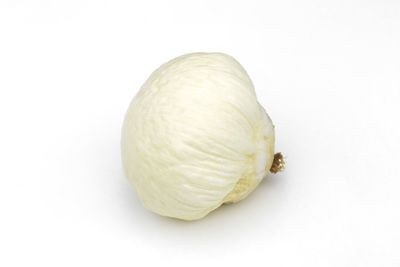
[327,72]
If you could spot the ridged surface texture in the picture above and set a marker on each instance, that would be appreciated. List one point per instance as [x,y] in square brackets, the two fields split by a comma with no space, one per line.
[195,137]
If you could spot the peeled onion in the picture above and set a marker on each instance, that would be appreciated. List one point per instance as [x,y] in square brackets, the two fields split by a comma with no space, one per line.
[195,137]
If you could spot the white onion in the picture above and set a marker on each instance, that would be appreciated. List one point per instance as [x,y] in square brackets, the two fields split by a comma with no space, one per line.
[195,137]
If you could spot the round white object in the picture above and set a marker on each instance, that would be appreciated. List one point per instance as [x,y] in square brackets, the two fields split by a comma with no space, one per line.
[195,137]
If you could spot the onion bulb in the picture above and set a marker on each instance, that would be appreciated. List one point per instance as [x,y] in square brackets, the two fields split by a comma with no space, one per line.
[195,137]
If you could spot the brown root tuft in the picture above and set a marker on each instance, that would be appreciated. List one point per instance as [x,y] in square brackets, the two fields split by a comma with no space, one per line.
[278,164]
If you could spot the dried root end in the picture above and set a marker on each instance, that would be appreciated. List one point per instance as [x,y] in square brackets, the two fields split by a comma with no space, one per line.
[278,164]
